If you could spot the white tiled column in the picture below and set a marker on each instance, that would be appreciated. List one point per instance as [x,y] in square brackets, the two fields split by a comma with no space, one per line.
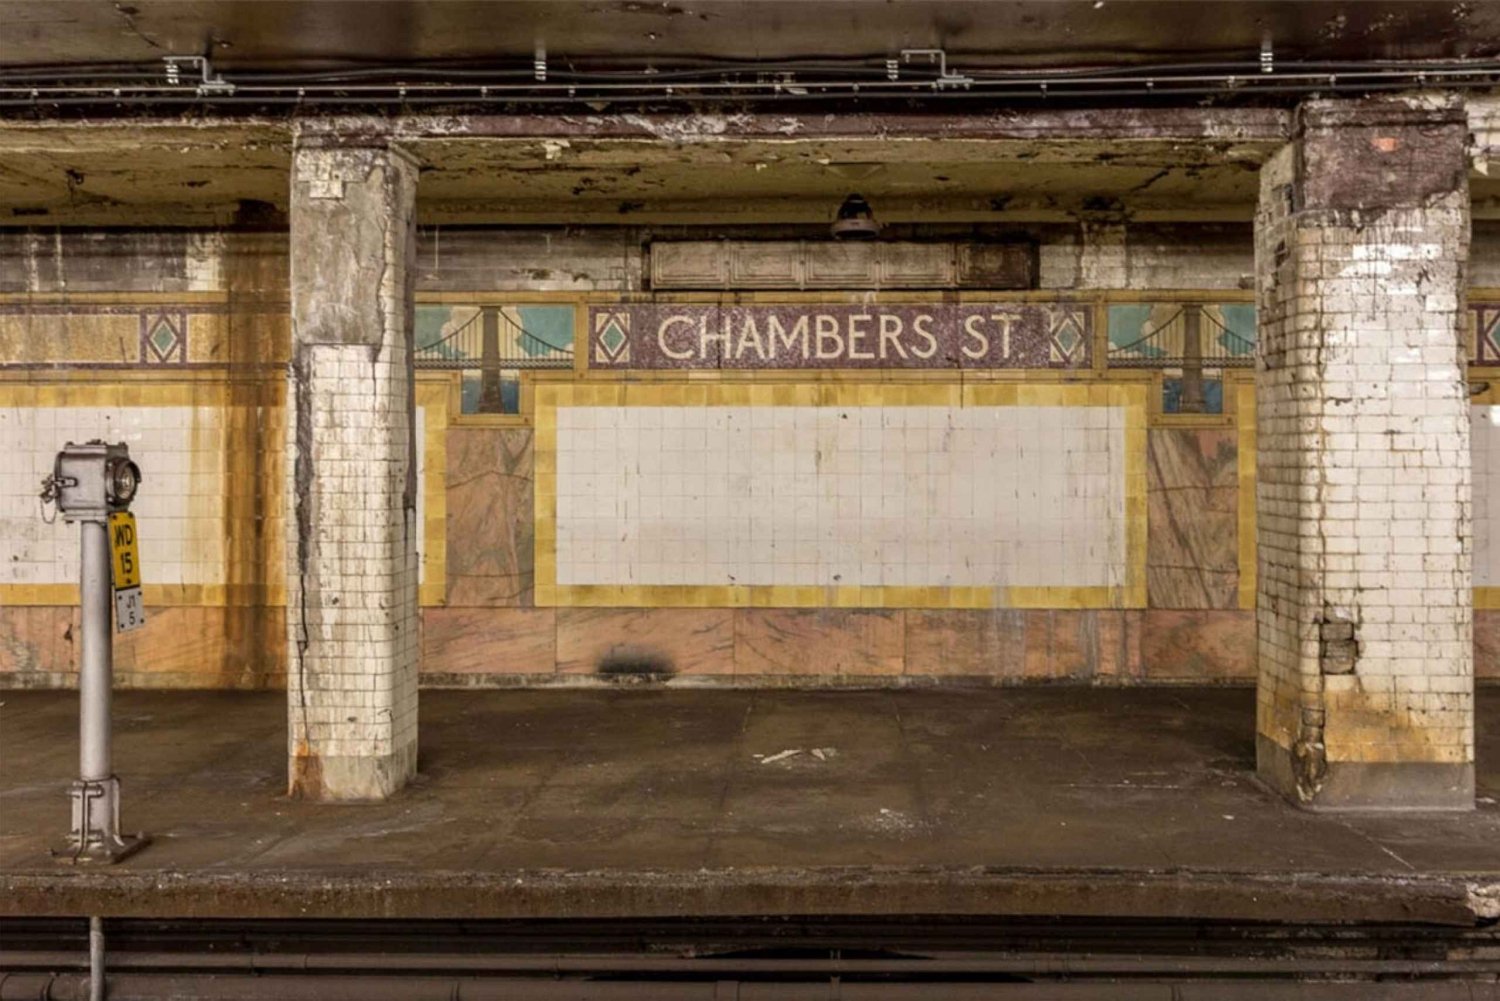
[352,489]
[1363,477]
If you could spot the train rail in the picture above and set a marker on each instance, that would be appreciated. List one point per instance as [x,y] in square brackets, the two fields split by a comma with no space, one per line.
[787,959]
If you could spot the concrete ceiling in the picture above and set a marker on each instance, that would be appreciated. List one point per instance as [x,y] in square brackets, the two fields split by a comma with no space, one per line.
[805,180]
[187,174]
[264,34]
[115,175]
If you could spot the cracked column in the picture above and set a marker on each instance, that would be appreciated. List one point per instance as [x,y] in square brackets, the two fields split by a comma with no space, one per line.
[351,506]
[1366,683]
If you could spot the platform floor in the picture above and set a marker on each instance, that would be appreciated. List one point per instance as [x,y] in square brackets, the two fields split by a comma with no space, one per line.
[627,802]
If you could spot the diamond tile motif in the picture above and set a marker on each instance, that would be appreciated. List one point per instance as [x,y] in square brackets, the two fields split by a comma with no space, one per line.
[612,338]
[1068,337]
[163,338]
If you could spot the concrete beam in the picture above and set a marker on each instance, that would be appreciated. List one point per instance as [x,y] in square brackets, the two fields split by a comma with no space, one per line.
[1172,124]
[1249,125]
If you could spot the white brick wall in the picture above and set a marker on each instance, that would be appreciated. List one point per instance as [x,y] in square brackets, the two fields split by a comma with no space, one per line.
[1103,260]
[1100,254]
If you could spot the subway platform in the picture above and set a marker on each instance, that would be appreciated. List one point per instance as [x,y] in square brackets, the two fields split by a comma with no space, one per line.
[654,803]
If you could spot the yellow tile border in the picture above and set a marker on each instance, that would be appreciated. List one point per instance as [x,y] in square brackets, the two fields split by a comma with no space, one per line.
[215,297]
[79,374]
[1159,418]
[433,393]
[1487,598]
[189,392]
[16,595]
[1135,495]
[1100,347]
[155,595]
[162,392]
[1132,398]
[1244,411]
[808,596]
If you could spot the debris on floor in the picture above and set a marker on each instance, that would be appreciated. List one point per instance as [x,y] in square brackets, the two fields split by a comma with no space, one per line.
[821,753]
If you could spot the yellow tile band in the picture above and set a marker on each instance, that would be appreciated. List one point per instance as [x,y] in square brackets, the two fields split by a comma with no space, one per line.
[1244,396]
[433,395]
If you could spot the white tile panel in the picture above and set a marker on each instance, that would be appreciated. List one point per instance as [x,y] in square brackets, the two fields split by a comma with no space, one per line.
[868,496]
[179,508]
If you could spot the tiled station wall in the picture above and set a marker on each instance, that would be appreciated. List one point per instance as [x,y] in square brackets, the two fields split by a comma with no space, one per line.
[177,343]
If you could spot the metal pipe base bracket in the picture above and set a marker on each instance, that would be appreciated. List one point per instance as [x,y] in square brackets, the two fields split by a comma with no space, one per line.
[96,837]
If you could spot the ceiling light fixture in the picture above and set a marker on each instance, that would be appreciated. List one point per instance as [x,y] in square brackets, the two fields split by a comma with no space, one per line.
[856,220]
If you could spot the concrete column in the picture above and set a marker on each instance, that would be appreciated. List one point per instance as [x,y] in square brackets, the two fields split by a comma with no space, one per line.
[351,474]
[1364,598]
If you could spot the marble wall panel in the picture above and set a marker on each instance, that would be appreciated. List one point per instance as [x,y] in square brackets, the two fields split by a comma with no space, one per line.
[188,646]
[1193,503]
[255,648]
[1073,644]
[1119,645]
[659,642]
[822,642]
[1057,645]
[987,642]
[40,639]
[490,539]
[1198,645]
[180,646]
[496,641]
[1032,643]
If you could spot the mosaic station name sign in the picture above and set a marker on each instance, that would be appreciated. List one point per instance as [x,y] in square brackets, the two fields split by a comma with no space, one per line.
[935,335]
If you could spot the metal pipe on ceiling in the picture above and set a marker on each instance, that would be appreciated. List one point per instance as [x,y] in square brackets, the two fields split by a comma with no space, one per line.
[772,82]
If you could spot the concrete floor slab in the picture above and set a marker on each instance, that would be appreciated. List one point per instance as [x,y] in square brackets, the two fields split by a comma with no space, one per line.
[645,803]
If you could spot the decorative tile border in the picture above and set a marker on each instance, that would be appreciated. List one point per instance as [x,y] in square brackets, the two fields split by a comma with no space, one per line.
[94,335]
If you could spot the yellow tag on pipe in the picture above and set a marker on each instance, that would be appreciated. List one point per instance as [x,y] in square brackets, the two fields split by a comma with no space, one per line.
[125,550]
